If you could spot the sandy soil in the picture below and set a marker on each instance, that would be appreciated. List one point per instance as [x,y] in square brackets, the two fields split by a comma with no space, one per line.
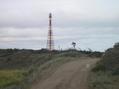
[71,75]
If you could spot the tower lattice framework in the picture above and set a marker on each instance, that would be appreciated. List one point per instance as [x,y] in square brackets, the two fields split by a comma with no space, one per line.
[50,41]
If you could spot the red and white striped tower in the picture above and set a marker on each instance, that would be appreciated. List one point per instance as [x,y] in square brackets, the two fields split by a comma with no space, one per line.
[50,41]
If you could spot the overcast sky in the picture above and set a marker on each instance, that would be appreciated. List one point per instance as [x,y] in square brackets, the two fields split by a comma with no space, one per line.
[90,23]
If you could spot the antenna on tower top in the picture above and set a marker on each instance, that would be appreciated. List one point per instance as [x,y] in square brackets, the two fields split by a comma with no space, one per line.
[50,41]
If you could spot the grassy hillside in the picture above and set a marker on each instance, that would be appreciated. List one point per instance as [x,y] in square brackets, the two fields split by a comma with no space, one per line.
[16,65]
[21,68]
[106,73]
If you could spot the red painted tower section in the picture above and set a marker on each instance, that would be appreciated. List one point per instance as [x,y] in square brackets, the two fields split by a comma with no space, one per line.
[50,41]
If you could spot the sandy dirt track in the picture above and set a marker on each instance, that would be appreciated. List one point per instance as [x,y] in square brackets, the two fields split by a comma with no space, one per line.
[71,75]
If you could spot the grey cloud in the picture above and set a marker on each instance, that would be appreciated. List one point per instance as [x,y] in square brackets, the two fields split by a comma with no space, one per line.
[33,13]
[91,23]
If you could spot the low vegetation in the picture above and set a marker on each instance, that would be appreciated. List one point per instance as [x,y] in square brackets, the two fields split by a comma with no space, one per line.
[17,65]
[105,75]
[21,68]
[11,77]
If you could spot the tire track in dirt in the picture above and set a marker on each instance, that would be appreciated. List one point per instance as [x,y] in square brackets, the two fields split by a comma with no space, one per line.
[71,75]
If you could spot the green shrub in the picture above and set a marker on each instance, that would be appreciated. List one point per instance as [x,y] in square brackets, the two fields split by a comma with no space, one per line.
[105,75]
[110,61]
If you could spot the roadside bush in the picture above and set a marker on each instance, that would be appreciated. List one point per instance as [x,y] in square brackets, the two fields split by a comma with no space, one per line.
[105,75]
[110,61]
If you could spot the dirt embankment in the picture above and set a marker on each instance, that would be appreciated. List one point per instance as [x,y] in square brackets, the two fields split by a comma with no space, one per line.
[71,75]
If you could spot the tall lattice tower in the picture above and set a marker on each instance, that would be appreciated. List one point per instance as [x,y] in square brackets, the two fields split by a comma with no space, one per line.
[50,41]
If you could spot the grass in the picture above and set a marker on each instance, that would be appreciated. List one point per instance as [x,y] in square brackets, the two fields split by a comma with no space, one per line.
[103,80]
[105,75]
[38,65]
[10,77]
[15,73]
[41,69]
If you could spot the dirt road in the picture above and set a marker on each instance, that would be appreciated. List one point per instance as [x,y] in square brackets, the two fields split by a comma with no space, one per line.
[71,75]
